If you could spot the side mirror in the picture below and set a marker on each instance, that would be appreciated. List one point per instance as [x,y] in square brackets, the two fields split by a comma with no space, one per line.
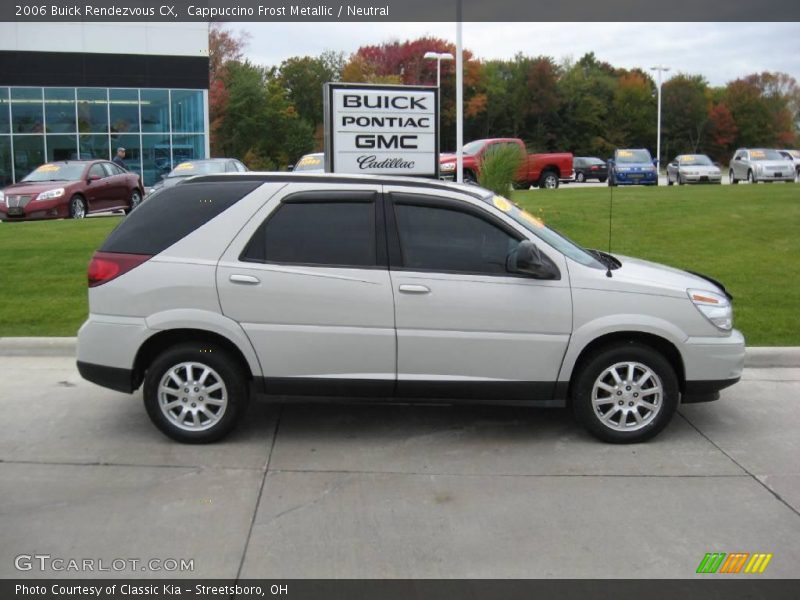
[610,161]
[290,167]
[718,165]
[92,178]
[528,259]
[673,164]
[655,162]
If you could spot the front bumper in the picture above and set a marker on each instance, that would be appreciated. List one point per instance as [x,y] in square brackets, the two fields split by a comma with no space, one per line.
[711,364]
[701,178]
[635,178]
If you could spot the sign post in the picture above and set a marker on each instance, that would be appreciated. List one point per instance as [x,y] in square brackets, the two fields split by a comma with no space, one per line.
[382,129]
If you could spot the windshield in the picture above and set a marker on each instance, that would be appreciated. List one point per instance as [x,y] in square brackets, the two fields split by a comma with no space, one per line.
[558,241]
[474,147]
[53,172]
[310,162]
[632,156]
[201,167]
[695,159]
[765,155]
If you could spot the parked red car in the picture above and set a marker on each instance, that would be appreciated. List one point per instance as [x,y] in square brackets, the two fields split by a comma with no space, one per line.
[542,170]
[71,188]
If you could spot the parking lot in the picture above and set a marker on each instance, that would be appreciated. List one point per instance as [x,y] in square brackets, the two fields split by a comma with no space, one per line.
[359,491]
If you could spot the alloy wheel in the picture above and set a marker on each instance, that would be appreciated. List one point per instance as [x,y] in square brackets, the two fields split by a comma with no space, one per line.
[627,396]
[192,396]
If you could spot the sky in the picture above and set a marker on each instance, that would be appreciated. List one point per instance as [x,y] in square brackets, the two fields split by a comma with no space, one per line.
[719,51]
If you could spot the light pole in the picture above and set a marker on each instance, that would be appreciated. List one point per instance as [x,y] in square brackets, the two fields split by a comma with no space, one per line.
[438,57]
[661,69]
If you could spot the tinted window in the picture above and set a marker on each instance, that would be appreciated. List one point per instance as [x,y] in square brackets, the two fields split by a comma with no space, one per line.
[317,233]
[442,239]
[173,213]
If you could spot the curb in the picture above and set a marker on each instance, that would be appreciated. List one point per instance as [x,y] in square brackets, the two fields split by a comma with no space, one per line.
[755,358]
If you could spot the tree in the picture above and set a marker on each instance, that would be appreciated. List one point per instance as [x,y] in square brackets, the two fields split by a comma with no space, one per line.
[685,114]
[224,46]
[634,111]
[304,78]
[722,132]
[261,124]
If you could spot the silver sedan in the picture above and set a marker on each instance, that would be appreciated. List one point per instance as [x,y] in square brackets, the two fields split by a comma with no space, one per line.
[693,168]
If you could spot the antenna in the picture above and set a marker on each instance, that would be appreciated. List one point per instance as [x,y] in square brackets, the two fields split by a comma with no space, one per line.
[610,214]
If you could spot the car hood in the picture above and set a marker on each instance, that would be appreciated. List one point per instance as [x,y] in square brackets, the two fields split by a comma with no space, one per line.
[23,188]
[648,274]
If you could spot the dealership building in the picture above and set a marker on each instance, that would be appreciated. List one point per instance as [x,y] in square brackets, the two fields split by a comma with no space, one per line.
[81,90]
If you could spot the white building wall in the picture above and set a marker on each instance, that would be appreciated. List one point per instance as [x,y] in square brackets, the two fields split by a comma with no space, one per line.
[175,39]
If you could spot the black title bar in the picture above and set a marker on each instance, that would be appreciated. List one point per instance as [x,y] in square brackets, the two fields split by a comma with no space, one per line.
[640,11]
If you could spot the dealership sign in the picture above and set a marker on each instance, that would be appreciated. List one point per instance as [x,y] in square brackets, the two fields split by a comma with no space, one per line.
[381,129]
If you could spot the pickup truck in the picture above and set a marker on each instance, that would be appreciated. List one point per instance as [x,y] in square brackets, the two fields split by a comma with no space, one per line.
[542,170]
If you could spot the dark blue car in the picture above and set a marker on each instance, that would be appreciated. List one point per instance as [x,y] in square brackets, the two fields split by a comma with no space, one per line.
[632,167]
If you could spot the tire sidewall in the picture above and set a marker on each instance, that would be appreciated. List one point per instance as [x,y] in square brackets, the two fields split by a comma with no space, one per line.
[604,358]
[229,370]
[580,178]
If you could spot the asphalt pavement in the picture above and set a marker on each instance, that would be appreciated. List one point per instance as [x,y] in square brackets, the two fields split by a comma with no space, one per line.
[360,491]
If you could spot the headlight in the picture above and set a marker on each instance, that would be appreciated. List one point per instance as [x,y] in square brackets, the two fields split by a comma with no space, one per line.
[50,194]
[714,306]
[448,167]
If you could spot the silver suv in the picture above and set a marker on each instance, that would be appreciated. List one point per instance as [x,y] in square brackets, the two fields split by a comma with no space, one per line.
[320,286]
[760,164]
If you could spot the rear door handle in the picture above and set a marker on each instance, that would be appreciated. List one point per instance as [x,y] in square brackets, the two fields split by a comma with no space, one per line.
[245,279]
[408,288]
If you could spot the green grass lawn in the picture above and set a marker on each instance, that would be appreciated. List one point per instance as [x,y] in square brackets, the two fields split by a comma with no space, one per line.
[746,236]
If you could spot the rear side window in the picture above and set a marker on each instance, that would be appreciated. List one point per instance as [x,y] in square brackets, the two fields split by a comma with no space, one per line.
[442,239]
[327,233]
[172,214]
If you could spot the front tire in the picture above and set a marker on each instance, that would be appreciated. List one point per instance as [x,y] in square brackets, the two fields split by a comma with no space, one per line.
[751,178]
[195,392]
[731,178]
[625,393]
[469,178]
[77,208]
[580,177]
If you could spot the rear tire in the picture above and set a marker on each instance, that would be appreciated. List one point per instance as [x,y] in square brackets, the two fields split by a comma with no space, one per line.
[549,180]
[580,177]
[77,207]
[195,392]
[633,409]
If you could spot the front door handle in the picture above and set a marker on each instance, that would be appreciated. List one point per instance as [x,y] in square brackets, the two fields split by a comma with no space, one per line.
[408,288]
[245,279]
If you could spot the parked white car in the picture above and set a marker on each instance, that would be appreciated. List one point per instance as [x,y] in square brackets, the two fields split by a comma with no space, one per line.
[760,164]
[294,285]
[794,156]
[693,168]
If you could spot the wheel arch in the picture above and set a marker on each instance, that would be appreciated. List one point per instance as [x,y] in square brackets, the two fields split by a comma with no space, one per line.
[661,344]
[166,338]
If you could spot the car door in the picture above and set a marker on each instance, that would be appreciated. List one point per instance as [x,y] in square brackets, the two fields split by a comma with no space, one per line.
[308,281]
[118,193]
[97,188]
[466,328]
[739,165]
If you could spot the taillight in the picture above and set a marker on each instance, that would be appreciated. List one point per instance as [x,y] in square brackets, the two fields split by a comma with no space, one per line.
[106,266]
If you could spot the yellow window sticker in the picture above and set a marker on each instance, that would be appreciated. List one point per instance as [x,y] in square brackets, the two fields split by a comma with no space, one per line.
[757,154]
[501,203]
[48,168]
[309,160]
[626,153]
[187,166]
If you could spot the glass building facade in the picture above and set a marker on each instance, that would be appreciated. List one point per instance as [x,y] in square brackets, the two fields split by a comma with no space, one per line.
[157,127]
